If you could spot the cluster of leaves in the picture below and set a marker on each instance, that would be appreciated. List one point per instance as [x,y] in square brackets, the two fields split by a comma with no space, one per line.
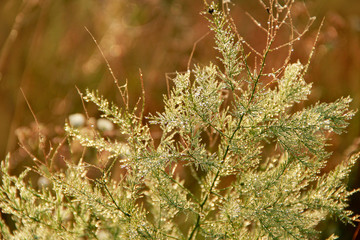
[216,123]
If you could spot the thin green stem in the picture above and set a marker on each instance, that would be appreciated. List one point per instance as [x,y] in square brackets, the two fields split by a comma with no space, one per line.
[255,82]
[181,186]
[113,200]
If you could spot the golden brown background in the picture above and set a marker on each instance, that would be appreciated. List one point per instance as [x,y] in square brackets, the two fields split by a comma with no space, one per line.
[46,51]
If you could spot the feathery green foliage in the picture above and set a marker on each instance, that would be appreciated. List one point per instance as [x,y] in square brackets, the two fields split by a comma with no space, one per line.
[216,123]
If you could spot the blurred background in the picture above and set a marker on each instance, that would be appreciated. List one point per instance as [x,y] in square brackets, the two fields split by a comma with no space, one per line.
[46,51]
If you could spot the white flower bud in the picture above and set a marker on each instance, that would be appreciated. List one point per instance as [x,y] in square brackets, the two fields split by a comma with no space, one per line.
[104,125]
[77,120]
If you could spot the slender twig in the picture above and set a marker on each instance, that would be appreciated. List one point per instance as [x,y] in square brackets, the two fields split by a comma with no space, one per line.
[142,97]
[181,186]
[194,47]
[122,92]
[40,135]
[113,200]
